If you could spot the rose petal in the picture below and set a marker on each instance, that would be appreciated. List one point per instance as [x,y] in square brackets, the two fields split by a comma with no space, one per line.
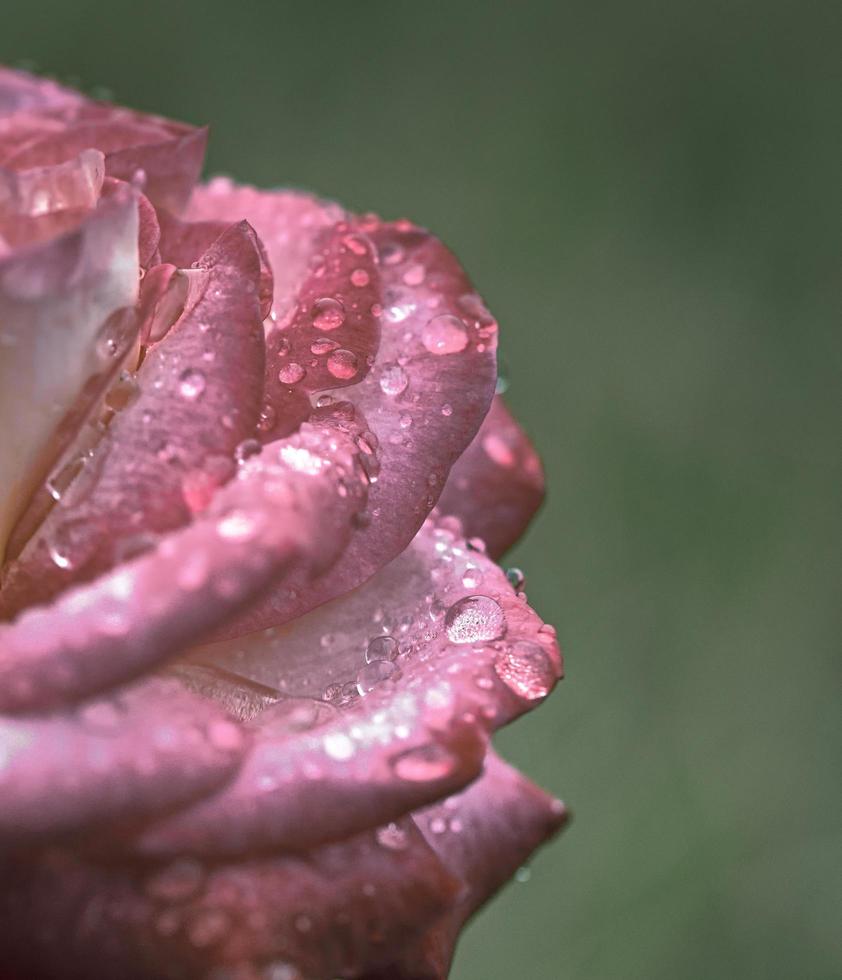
[329,339]
[22,92]
[467,659]
[483,836]
[165,157]
[288,223]
[290,509]
[497,485]
[423,400]
[136,753]
[340,910]
[196,398]
[55,301]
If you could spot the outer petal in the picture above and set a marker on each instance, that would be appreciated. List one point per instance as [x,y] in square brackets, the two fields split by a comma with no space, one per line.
[497,485]
[135,754]
[424,400]
[341,910]
[22,92]
[290,509]
[55,303]
[482,836]
[467,658]
[197,399]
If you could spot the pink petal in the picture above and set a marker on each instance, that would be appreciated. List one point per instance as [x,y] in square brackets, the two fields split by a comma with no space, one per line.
[165,453]
[136,753]
[289,223]
[424,400]
[468,658]
[497,485]
[288,512]
[340,910]
[483,836]
[22,92]
[165,157]
[329,338]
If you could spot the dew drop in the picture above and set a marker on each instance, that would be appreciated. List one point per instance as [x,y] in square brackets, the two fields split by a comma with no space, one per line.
[237,525]
[445,334]
[423,763]
[381,648]
[475,619]
[291,374]
[191,384]
[393,380]
[123,393]
[374,674]
[526,670]
[516,578]
[327,314]
[360,278]
[472,577]
[338,746]
[415,274]
[323,345]
[246,449]
[392,837]
[342,364]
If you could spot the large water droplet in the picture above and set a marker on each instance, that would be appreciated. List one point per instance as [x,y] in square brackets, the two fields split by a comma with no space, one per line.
[191,384]
[424,763]
[526,670]
[475,619]
[374,674]
[381,648]
[328,314]
[342,364]
[291,374]
[445,334]
[393,380]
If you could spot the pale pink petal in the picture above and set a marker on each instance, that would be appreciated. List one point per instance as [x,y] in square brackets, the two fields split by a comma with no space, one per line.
[418,667]
[289,511]
[338,911]
[497,485]
[136,753]
[56,301]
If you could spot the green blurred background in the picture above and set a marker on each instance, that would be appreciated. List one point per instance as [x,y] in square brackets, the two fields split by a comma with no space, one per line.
[649,197]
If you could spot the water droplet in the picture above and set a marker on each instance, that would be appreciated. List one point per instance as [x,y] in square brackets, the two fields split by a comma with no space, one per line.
[475,619]
[360,278]
[445,334]
[342,364]
[438,825]
[472,577]
[526,669]
[268,418]
[523,874]
[374,674]
[327,314]
[424,763]
[338,746]
[355,244]
[447,410]
[237,525]
[247,449]
[381,648]
[516,578]
[415,274]
[392,837]
[322,345]
[124,392]
[191,384]
[392,254]
[291,374]
[393,380]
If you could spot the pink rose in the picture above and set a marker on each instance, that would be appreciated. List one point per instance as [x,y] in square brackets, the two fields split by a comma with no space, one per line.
[248,674]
